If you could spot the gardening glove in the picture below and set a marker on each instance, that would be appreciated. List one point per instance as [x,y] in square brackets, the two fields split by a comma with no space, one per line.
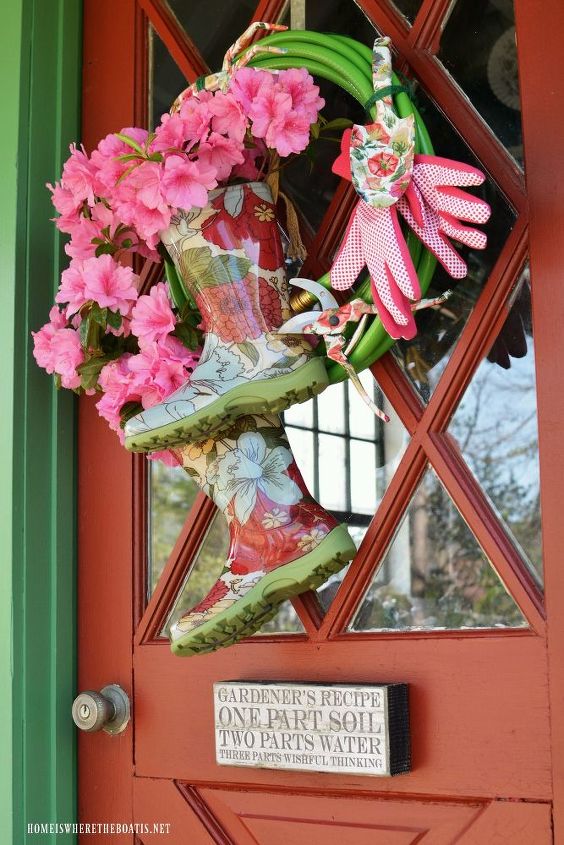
[434,205]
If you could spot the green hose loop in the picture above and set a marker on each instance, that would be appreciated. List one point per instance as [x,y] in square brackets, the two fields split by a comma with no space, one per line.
[348,64]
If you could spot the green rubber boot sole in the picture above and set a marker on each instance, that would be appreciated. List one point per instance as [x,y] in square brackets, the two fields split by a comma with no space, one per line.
[262,396]
[261,603]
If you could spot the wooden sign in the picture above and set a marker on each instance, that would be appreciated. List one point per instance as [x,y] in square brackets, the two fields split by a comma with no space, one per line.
[350,729]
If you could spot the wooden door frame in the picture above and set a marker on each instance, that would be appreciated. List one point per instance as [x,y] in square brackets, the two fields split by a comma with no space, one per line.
[542,88]
[98,448]
[40,50]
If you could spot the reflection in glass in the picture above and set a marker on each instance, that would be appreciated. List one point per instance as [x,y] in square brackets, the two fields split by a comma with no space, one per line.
[424,358]
[434,574]
[350,457]
[496,428]
[213,25]
[204,571]
[166,80]
[478,48]
[171,495]
[408,8]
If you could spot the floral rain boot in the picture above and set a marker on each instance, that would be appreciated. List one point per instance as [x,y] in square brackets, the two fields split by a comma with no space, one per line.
[229,256]
[282,542]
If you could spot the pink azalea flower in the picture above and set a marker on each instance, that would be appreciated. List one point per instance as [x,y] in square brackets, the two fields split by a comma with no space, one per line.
[152,317]
[289,133]
[58,350]
[118,384]
[304,93]
[249,168]
[72,288]
[270,106]
[221,154]
[185,184]
[82,234]
[146,181]
[247,83]
[196,117]
[228,117]
[147,221]
[176,351]
[68,354]
[158,374]
[64,201]
[109,284]
[104,158]
[170,134]
[79,175]
[57,317]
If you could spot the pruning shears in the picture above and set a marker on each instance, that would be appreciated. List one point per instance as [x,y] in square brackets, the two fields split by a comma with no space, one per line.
[330,324]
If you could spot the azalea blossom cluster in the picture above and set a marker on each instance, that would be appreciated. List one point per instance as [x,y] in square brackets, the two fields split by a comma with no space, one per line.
[135,361]
[102,336]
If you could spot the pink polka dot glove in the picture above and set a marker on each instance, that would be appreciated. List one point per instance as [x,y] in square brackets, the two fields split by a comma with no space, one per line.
[434,207]
[374,239]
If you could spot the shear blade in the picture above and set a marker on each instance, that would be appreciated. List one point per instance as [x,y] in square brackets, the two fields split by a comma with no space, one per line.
[297,323]
[324,296]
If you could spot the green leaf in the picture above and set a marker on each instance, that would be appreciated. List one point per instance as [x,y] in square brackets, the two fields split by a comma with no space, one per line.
[190,337]
[175,285]
[99,315]
[338,124]
[130,409]
[315,129]
[114,319]
[130,142]
[128,157]
[250,351]
[105,249]
[83,331]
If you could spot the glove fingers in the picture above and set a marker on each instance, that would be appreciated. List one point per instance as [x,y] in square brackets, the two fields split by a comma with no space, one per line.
[446,171]
[430,235]
[463,205]
[393,308]
[349,260]
[414,202]
[473,238]
[399,260]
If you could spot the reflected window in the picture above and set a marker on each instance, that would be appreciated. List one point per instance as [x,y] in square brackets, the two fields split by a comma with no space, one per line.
[346,454]
[496,428]
[434,574]
[479,49]
[171,495]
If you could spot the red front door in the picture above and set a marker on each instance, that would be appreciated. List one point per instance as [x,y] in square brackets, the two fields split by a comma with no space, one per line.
[452,585]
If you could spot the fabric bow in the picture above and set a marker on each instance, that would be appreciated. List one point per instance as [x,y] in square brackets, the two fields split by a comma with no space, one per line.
[378,158]
[220,81]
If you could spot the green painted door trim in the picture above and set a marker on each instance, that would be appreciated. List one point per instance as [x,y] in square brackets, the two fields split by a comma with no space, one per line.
[40,73]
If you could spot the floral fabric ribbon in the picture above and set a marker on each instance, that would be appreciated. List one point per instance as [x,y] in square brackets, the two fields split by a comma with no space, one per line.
[381,153]
[220,81]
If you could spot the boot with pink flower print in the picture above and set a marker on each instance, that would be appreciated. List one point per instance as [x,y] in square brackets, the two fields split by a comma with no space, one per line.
[282,542]
[229,256]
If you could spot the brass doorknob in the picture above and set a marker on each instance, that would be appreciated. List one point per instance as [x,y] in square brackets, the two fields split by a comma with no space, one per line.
[107,710]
